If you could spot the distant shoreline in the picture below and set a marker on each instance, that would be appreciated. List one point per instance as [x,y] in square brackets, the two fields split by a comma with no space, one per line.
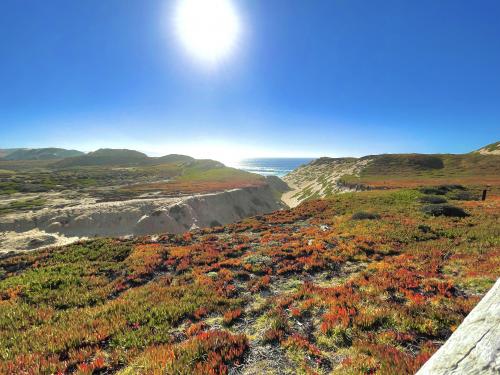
[270,166]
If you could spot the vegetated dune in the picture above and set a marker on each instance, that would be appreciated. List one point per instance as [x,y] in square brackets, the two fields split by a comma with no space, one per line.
[321,178]
[367,282]
[326,176]
[491,149]
[22,231]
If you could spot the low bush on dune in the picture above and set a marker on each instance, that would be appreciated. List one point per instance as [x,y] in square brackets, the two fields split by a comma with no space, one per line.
[444,210]
[462,196]
[441,189]
[433,199]
[362,215]
[432,190]
[451,187]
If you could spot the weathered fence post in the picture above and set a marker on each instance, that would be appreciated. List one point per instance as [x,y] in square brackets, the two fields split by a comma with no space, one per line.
[485,191]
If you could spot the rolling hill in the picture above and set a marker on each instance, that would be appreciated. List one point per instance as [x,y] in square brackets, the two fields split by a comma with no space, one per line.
[103,157]
[38,153]
[122,174]
[326,176]
[6,151]
[129,158]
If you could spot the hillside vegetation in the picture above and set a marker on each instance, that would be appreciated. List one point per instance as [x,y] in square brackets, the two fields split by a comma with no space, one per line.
[124,157]
[491,149]
[50,153]
[326,176]
[372,282]
[415,170]
[122,174]
[6,151]
[105,156]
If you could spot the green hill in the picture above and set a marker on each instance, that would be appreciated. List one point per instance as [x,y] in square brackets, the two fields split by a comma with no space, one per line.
[438,165]
[50,153]
[326,176]
[105,156]
[131,158]
[408,170]
[128,158]
[6,151]
[173,158]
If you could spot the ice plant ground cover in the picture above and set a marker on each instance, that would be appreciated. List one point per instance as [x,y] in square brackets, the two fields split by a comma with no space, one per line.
[357,283]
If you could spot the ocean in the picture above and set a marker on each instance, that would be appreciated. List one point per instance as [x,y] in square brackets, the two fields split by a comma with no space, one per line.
[270,166]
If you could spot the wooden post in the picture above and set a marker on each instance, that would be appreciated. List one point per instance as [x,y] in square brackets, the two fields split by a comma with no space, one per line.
[485,191]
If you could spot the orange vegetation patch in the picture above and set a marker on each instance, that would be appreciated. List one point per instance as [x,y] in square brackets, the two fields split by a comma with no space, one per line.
[207,353]
[332,294]
[196,187]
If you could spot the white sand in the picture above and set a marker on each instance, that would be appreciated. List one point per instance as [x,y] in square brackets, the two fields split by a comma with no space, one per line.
[318,178]
[55,226]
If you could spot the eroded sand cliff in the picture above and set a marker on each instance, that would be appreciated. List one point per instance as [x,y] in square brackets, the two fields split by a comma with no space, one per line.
[26,231]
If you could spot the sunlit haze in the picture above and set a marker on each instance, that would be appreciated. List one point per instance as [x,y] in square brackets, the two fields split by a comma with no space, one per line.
[208,29]
[231,79]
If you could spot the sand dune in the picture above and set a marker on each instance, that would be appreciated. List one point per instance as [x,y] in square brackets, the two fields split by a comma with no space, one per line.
[48,227]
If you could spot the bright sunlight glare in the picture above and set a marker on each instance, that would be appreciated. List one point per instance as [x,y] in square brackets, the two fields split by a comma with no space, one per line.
[208,29]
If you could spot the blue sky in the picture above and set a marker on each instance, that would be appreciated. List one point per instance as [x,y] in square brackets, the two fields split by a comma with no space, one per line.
[308,78]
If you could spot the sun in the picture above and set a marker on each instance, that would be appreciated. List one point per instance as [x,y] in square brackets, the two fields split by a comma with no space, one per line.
[208,29]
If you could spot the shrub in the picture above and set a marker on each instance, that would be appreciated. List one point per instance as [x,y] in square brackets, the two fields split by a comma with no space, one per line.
[424,228]
[196,328]
[433,199]
[231,316]
[337,337]
[365,216]
[272,336]
[259,260]
[431,190]
[450,187]
[207,353]
[299,343]
[462,196]
[441,189]
[444,210]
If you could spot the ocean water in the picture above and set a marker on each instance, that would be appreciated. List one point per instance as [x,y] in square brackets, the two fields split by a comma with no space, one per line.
[270,166]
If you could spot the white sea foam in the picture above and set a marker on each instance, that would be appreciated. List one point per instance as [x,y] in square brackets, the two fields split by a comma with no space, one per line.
[270,166]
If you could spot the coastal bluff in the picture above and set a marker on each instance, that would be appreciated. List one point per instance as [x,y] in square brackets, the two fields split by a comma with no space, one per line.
[52,227]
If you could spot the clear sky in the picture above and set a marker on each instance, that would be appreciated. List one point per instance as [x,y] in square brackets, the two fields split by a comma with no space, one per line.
[306,78]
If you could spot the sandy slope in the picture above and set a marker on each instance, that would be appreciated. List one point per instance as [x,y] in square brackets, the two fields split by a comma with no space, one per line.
[319,179]
[55,226]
